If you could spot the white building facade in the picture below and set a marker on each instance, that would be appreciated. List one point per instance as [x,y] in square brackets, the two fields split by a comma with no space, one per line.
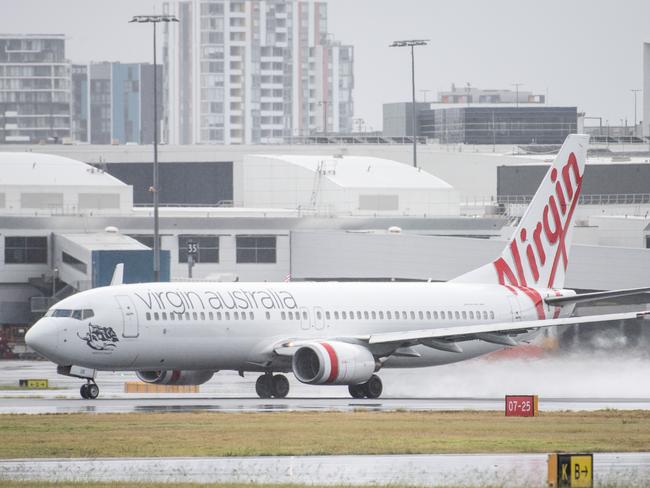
[247,72]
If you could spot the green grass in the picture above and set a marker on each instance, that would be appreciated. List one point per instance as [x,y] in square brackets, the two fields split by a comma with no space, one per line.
[312,433]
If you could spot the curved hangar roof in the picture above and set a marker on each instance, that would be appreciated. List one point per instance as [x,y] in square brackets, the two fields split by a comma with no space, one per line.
[365,172]
[36,169]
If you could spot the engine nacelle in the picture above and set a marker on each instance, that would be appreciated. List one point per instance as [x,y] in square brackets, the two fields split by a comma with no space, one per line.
[333,363]
[175,377]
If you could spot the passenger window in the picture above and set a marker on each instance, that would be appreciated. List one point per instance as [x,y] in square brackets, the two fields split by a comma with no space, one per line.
[457,315]
[148,315]
[172,316]
[227,315]
[381,315]
[442,315]
[358,315]
[365,315]
[290,314]
[202,315]
[388,315]
[478,314]
[450,314]
[351,315]
[268,315]
[304,315]
[344,315]
[336,315]
[421,315]
[218,315]
[485,317]
[318,315]
[471,314]
[251,316]
[491,314]
[327,315]
[155,316]
[404,315]
[210,316]
[283,315]
[412,315]
[435,315]
[187,316]
[195,316]
[464,315]
[164,315]
[373,315]
[428,315]
[235,315]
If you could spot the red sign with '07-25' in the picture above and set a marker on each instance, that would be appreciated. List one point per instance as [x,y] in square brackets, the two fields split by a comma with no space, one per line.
[521,406]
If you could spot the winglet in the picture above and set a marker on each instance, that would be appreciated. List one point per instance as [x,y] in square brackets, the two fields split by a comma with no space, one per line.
[118,275]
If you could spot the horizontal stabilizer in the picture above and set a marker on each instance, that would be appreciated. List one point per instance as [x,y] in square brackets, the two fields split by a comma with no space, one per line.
[599,295]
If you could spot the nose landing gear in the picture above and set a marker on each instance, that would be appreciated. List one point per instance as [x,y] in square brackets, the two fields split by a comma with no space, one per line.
[89,390]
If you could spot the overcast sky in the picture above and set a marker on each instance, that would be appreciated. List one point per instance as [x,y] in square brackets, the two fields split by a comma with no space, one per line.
[580,52]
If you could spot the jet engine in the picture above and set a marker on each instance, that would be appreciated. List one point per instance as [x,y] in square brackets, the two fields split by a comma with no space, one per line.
[333,363]
[175,377]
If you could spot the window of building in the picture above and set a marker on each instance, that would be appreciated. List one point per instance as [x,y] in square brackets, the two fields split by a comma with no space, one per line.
[256,249]
[23,250]
[74,262]
[207,248]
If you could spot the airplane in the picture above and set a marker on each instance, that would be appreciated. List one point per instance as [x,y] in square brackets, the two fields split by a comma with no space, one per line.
[331,333]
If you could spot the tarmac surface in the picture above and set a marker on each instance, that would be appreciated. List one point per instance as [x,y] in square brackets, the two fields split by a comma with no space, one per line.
[530,470]
[228,392]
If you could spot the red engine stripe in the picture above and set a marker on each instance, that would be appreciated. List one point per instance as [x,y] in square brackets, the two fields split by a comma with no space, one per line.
[334,362]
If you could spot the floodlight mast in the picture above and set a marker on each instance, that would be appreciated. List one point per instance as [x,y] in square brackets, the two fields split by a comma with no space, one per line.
[412,43]
[154,19]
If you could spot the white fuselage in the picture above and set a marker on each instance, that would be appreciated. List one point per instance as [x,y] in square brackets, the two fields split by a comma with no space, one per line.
[234,326]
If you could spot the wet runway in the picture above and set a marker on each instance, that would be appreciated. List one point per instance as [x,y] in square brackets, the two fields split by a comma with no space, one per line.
[473,385]
[627,469]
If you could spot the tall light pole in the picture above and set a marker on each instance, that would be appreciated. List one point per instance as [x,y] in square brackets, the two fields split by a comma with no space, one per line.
[635,91]
[517,85]
[412,43]
[154,19]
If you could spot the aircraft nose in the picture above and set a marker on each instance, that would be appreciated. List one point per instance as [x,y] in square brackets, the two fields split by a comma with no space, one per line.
[42,337]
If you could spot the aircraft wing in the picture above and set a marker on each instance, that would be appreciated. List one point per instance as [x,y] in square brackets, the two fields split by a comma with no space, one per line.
[493,332]
[599,295]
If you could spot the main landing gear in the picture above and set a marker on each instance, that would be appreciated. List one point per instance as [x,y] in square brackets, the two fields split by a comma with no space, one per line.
[370,389]
[272,386]
[89,390]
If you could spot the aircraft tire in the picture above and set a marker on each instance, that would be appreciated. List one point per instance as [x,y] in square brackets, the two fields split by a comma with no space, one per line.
[264,386]
[83,391]
[357,391]
[280,386]
[373,387]
[93,391]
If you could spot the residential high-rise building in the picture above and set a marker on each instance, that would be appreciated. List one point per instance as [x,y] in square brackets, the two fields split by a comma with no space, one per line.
[34,88]
[257,71]
[113,102]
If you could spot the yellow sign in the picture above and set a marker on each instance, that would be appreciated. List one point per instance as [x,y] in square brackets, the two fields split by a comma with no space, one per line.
[570,470]
[33,383]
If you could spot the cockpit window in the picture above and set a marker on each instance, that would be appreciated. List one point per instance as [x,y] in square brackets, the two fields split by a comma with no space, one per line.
[62,312]
[78,314]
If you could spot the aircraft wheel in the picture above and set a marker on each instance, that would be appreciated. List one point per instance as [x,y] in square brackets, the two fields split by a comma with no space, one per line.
[373,387]
[83,391]
[264,386]
[93,391]
[280,386]
[356,391]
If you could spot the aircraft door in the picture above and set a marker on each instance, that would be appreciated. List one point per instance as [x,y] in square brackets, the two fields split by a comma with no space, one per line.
[319,323]
[515,308]
[304,318]
[129,316]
